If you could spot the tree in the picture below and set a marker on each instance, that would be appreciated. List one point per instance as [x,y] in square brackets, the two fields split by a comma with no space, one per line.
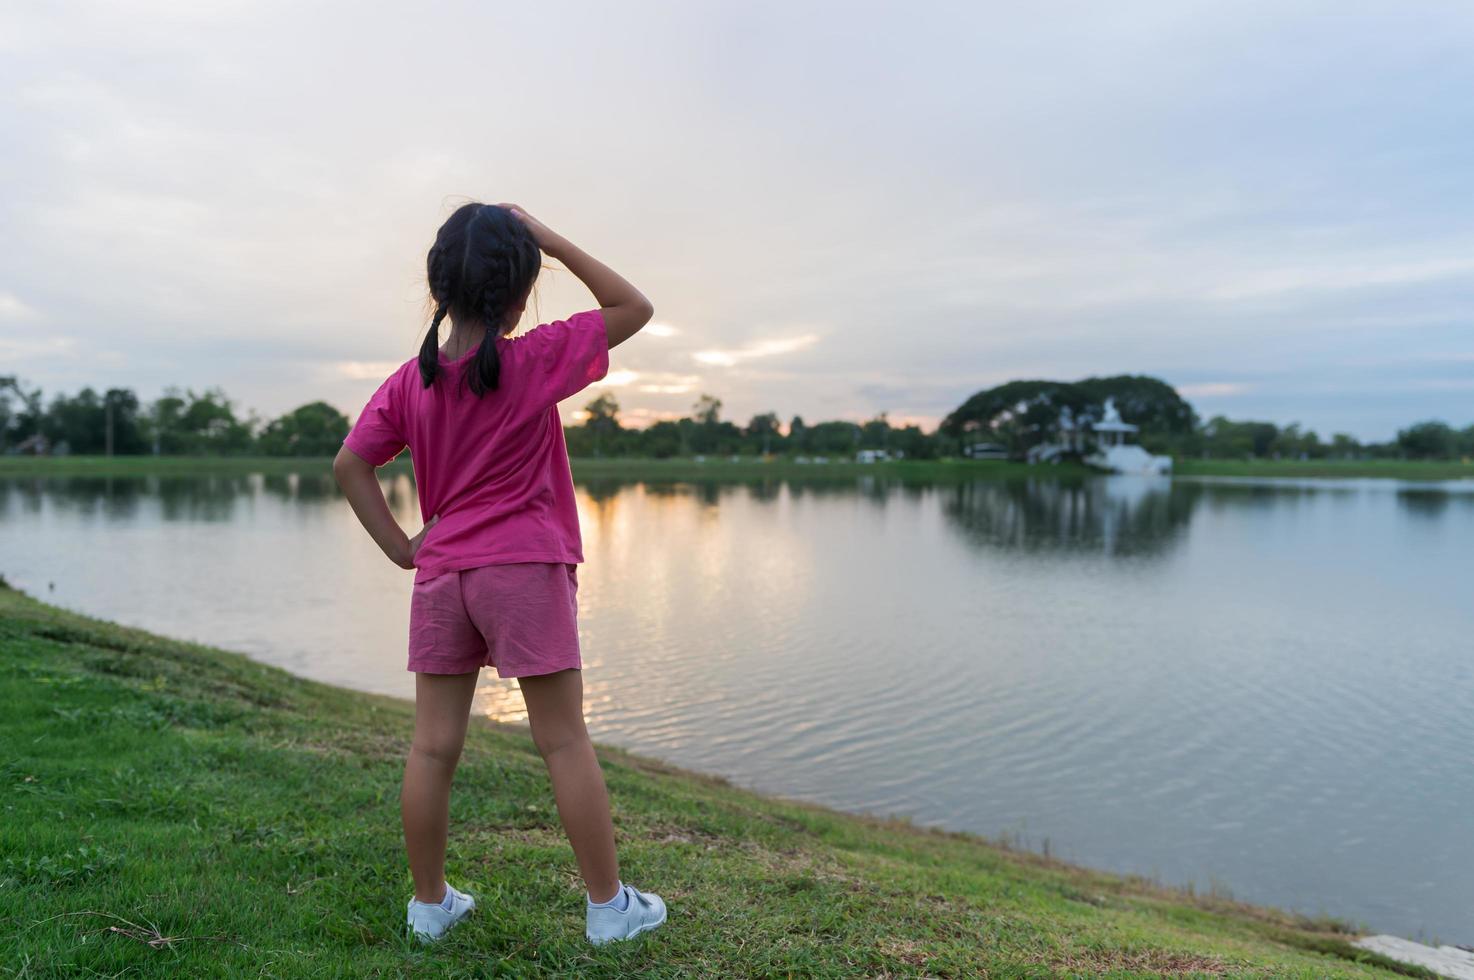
[198,423]
[1345,446]
[762,431]
[602,421]
[876,433]
[798,436]
[1428,440]
[661,440]
[314,429]
[1149,403]
[21,419]
[707,410]
[1019,414]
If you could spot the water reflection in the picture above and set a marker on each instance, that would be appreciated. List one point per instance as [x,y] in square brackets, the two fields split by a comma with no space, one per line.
[1258,654]
[1124,516]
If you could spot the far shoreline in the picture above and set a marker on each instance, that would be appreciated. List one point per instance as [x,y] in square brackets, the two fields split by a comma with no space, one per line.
[747,469]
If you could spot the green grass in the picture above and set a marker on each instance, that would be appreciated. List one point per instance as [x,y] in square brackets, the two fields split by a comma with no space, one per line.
[176,810]
[1398,469]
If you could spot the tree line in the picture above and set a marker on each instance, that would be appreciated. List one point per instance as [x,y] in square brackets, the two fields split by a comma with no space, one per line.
[1009,418]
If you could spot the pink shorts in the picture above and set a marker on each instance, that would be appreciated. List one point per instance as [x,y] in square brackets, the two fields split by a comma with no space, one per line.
[521,619]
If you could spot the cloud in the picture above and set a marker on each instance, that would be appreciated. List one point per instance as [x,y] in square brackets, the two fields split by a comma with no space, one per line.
[616,379]
[659,330]
[1214,389]
[761,348]
[654,382]
[13,308]
[366,370]
[27,349]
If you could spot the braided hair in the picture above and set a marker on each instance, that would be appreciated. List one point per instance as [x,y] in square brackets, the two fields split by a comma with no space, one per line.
[481,266]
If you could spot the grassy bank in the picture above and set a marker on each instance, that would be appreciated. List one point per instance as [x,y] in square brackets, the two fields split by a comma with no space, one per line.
[1397,469]
[171,809]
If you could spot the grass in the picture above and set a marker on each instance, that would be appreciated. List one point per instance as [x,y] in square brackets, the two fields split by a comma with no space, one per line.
[1397,469]
[175,810]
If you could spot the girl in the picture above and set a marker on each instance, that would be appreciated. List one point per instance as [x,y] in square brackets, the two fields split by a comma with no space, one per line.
[496,561]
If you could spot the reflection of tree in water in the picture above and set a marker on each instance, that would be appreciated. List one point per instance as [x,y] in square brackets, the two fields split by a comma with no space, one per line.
[307,488]
[1431,501]
[204,498]
[1119,516]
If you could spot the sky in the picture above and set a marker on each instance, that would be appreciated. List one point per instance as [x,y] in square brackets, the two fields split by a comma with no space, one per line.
[838,209]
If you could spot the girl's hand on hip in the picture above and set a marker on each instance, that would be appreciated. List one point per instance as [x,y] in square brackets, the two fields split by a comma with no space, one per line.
[407,560]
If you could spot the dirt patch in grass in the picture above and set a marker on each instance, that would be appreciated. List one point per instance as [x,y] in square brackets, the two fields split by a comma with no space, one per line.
[1159,962]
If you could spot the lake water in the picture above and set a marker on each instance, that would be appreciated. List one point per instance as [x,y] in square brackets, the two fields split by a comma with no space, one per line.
[1263,687]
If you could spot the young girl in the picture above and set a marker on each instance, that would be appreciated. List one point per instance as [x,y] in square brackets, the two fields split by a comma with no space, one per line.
[496,561]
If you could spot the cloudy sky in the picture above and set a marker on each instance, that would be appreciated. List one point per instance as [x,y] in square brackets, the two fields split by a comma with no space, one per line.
[838,209]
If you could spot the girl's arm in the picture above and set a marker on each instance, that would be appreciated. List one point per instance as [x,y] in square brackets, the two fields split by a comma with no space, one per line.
[625,308]
[356,477]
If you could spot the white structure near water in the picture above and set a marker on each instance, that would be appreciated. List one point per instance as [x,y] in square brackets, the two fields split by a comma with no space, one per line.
[1114,453]
[1109,445]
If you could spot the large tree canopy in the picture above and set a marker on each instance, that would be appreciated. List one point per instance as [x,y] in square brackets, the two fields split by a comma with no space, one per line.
[1022,414]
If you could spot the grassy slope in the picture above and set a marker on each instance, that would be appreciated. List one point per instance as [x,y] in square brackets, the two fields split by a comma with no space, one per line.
[171,809]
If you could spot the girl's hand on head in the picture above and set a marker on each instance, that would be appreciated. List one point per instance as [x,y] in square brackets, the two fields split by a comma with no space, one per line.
[413,549]
[547,239]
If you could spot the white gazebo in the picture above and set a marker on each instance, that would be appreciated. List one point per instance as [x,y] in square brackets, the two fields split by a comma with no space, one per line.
[1115,453]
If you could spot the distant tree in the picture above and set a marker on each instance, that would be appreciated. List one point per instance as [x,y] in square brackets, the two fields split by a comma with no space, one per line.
[763,432]
[834,437]
[798,435]
[22,410]
[76,421]
[198,423]
[602,423]
[1149,403]
[1466,441]
[1344,445]
[1225,438]
[661,440]
[705,432]
[915,443]
[1428,440]
[314,429]
[1019,414]
[707,410]
[1291,441]
[875,434]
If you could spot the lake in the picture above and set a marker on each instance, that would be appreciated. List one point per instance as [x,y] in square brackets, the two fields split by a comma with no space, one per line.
[1260,687]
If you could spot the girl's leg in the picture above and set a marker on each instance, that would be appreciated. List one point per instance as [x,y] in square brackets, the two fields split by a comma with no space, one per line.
[442,711]
[555,714]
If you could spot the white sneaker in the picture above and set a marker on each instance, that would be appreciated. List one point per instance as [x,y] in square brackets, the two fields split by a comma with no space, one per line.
[430,922]
[643,913]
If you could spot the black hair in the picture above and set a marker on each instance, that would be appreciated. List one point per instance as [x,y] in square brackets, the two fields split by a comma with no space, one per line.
[483,263]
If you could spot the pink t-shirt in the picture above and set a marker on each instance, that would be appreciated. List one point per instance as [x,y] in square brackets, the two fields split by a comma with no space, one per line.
[495,468]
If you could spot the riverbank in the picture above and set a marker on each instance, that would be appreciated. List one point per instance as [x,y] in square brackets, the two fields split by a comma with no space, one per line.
[173,809]
[747,469]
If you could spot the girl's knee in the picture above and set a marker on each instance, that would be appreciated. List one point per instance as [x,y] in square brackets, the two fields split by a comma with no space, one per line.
[549,742]
[441,749]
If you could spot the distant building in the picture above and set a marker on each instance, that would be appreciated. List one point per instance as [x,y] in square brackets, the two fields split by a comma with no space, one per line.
[1114,453]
